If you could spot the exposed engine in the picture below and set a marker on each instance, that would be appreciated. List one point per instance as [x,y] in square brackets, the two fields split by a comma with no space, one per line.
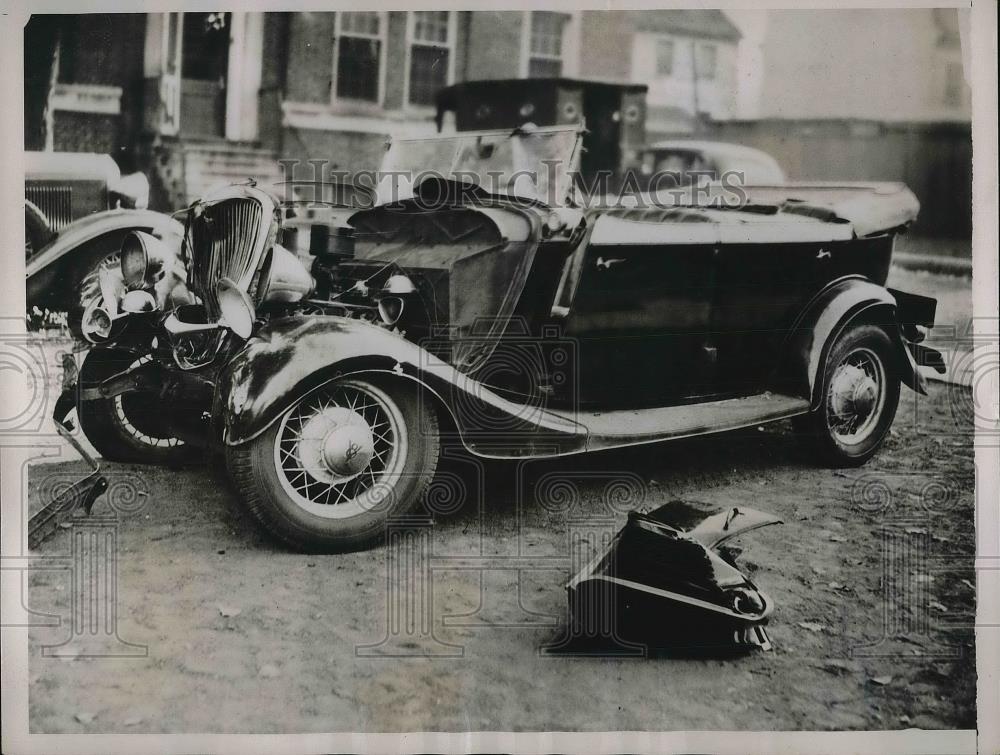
[400,268]
[248,258]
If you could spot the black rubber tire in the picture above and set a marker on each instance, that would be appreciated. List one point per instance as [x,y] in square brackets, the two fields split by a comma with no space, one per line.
[105,430]
[815,428]
[252,469]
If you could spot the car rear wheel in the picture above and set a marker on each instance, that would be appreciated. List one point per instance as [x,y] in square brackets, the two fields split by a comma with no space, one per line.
[126,427]
[859,396]
[338,464]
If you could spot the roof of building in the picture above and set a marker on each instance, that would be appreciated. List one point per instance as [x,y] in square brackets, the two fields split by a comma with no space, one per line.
[713,24]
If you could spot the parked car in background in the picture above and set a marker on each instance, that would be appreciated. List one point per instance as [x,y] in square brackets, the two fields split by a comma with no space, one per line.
[614,142]
[60,187]
[614,115]
[497,315]
[681,162]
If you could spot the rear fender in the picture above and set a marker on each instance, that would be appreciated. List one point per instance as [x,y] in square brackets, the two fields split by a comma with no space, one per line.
[843,303]
[294,356]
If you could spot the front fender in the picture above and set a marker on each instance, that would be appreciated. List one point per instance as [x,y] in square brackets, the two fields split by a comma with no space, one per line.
[91,236]
[36,225]
[295,355]
[88,228]
[843,302]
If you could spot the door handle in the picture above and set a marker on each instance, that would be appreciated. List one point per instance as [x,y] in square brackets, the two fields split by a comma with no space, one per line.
[606,264]
[823,254]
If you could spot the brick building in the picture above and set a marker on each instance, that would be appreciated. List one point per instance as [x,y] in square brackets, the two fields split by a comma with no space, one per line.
[198,98]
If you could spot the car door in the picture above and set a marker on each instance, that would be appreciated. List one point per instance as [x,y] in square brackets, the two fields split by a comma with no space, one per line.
[641,309]
[767,273]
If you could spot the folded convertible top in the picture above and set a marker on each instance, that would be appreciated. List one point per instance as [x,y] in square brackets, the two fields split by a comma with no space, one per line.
[861,209]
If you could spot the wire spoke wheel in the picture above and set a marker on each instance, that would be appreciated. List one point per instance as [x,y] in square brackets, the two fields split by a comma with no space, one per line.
[856,396]
[339,463]
[90,285]
[339,451]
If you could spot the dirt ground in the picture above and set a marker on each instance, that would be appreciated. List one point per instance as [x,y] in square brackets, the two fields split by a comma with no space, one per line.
[871,571]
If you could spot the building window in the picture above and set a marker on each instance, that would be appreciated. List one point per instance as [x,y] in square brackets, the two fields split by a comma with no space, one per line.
[359,46]
[953,82]
[706,61]
[206,46]
[664,57]
[87,51]
[545,45]
[431,44]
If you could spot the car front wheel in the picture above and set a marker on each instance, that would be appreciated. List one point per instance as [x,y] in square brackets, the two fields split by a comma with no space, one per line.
[859,395]
[126,427]
[338,464]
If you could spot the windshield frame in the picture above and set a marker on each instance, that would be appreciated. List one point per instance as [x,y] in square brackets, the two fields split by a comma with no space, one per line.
[392,187]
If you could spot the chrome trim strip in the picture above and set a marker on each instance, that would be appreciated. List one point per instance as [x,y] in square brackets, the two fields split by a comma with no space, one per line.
[695,602]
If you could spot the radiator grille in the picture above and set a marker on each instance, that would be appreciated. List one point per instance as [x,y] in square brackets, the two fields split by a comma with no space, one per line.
[55,202]
[224,242]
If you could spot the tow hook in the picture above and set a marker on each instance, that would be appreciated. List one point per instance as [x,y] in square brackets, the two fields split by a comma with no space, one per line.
[84,492]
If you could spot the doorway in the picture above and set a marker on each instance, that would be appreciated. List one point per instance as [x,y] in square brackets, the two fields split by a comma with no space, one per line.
[204,73]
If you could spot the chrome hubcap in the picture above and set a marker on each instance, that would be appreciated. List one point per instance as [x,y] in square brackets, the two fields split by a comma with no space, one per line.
[340,450]
[335,444]
[856,396]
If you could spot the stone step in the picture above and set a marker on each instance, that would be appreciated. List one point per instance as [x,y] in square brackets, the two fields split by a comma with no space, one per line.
[210,164]
[222,146]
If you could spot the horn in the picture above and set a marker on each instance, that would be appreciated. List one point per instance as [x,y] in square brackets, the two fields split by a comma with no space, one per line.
[96,323]
[283,278]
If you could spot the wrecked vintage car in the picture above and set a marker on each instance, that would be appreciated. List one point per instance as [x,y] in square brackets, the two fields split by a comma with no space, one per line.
[499,314]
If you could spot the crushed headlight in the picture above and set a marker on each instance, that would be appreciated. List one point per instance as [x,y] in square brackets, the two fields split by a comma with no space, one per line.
[144,259]
[283,278]
[237,311]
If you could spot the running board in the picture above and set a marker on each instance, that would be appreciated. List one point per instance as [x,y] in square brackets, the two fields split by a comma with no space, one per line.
[635,426]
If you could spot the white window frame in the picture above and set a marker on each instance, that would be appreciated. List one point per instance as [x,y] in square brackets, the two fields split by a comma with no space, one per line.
[661,40]
[450,45]
[700,48]
[570,56]
[945,99]
[382,37]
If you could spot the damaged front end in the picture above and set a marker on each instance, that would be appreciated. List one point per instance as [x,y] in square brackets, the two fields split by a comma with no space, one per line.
[667,580]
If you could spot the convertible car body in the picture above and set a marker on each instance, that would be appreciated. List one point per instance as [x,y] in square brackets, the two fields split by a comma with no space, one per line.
[482,304]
